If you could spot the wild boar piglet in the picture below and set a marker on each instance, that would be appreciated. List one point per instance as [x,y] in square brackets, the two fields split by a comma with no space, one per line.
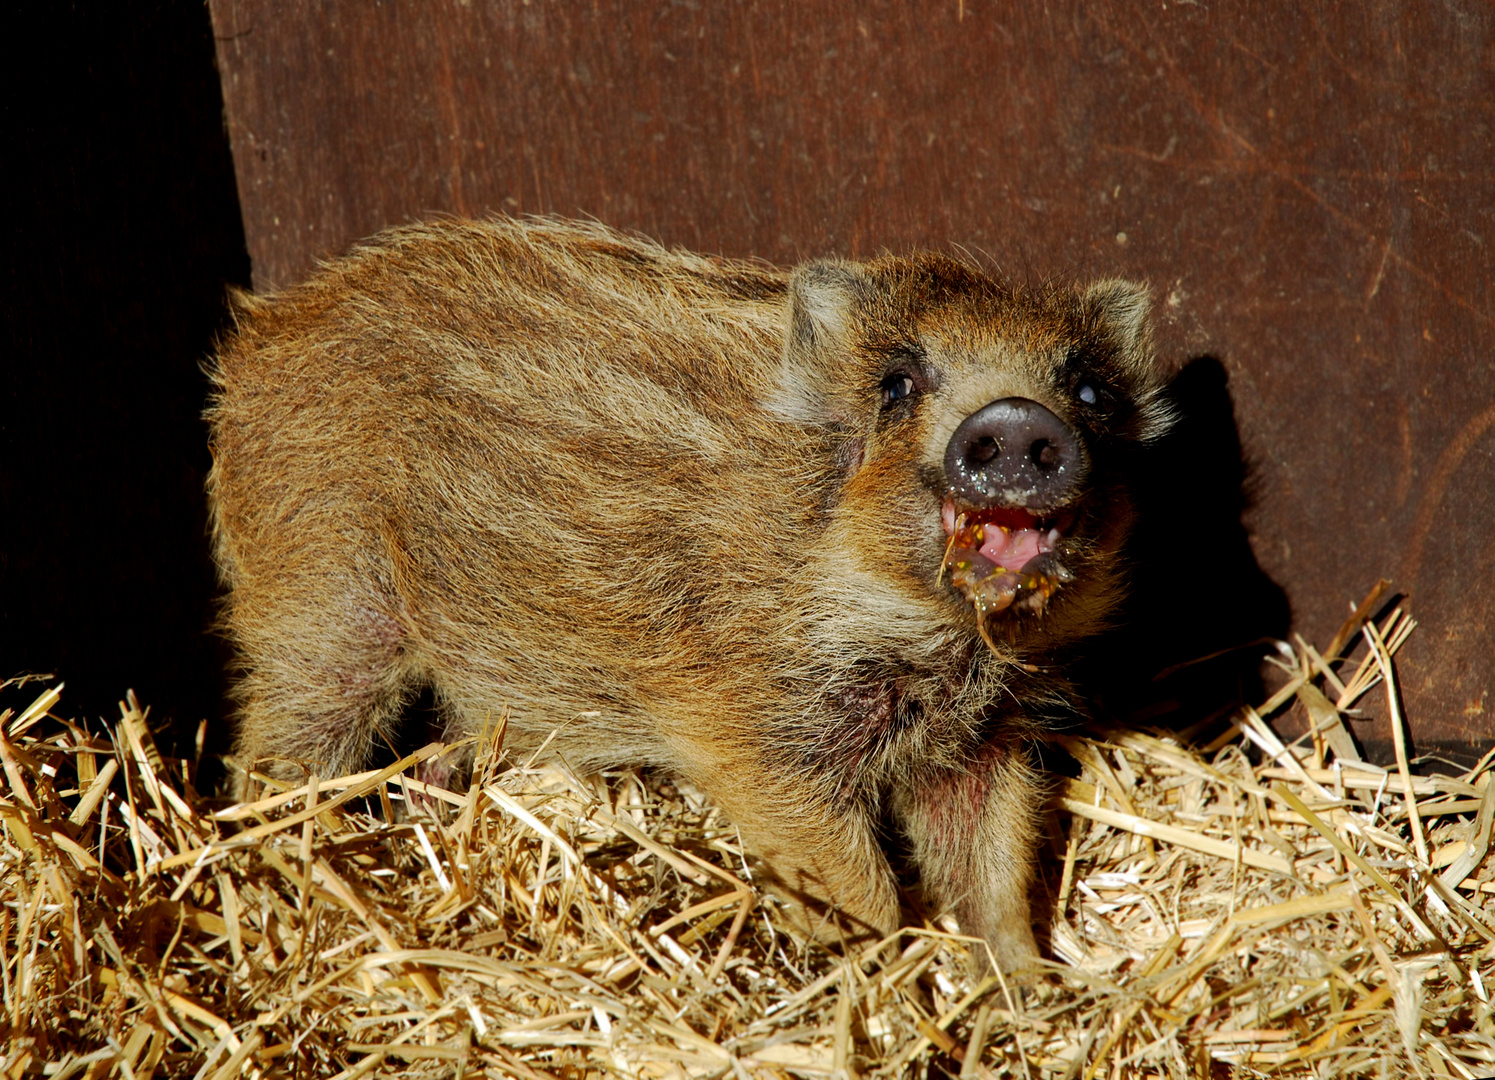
[822,543]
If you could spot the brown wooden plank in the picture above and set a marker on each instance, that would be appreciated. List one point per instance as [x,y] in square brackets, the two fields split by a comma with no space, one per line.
[1311,191]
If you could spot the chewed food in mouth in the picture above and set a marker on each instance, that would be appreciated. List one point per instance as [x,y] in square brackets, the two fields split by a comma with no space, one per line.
[1005,558]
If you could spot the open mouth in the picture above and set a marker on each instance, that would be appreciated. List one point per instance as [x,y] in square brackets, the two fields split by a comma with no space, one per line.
[1005,558]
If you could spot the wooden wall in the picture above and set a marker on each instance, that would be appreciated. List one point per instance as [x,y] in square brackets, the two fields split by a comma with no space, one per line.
[1310,189]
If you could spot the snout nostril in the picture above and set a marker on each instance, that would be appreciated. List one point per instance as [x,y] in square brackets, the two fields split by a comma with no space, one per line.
[1046,455]
[984,450]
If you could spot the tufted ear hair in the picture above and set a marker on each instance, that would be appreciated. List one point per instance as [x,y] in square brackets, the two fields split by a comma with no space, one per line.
[1117,310]
[823,300]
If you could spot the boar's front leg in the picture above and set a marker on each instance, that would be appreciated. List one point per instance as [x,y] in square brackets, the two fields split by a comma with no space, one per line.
[973,833]
[821,854]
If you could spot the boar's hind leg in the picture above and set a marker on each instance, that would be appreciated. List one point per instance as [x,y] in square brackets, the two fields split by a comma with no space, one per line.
[973,833]
[824,858]
[323,684]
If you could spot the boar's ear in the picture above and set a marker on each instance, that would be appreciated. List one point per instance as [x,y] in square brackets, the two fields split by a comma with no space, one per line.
[823,298]
[1118,310]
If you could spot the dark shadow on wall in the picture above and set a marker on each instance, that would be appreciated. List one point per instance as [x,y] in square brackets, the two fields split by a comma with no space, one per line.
[1200,605]
[123,238]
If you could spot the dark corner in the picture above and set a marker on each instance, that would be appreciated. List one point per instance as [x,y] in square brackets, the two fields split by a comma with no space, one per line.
[127,236]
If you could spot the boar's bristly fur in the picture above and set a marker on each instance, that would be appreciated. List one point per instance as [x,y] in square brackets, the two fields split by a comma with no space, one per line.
[682,513]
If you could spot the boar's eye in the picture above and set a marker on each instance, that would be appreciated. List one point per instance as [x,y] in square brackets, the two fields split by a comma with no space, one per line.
[1095,395]
[907,375]
[897,386]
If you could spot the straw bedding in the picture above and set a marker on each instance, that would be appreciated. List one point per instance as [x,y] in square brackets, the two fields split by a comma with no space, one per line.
[1222,905]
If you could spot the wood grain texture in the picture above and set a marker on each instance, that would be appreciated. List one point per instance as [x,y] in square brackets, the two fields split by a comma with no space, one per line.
[1311,193]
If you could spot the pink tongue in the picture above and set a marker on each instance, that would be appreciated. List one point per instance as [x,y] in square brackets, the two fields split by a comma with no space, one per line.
[1011,549]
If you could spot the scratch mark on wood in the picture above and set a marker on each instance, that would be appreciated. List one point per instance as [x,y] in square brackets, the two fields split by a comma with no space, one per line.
[1448,463]
[1380,274]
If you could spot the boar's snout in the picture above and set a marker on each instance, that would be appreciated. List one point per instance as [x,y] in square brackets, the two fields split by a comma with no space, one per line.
[1014,453]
